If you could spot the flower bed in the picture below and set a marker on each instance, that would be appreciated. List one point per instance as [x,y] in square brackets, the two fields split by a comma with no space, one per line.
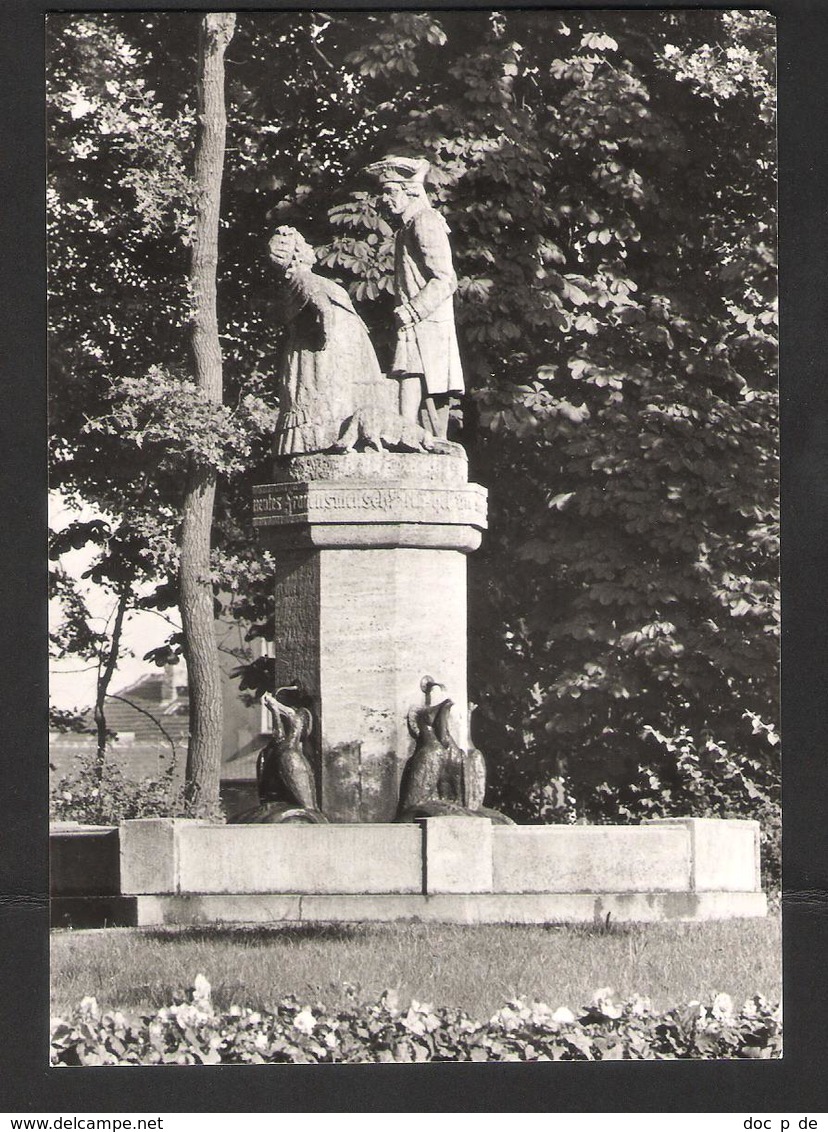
[191,1031]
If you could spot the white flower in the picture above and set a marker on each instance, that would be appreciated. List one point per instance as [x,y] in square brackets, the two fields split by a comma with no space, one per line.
[506,1017]
[540,1014]
[201,993]
[755,1005]
[722,1009]
[304,1021]
[563,1014]
[186,1014]
[640,1004]
[89,1006]
[602,1001]
[414,1022]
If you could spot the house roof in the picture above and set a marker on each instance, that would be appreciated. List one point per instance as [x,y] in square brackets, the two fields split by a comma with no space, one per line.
[154,708]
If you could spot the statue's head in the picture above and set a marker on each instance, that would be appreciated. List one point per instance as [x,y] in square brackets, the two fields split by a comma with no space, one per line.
[401,182]
[289,249]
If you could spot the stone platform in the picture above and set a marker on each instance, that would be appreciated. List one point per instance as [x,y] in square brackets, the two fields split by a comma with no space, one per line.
[444,869]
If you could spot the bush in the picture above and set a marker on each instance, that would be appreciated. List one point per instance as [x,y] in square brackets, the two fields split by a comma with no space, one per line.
[100,794]
[191,1032]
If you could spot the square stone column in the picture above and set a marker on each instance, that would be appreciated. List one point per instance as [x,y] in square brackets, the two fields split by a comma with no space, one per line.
[370,588]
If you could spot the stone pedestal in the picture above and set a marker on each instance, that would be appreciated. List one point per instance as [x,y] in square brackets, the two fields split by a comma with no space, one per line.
[370,585]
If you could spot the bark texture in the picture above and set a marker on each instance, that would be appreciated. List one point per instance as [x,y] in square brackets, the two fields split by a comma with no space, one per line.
[105,672]
[197,613]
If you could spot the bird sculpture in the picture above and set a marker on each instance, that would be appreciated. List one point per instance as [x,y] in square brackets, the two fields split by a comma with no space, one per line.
[450,787]
[440,778]
[288,764]
[284,777]
[421,777]
[474,774]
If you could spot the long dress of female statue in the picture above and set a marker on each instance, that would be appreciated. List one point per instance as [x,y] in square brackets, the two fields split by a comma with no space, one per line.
[332,392]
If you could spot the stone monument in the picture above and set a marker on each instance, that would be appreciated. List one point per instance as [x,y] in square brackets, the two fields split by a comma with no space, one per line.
[371,800]
[370,514]
[370,587]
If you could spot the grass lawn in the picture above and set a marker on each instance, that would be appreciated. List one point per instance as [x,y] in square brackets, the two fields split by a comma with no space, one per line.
[474,968]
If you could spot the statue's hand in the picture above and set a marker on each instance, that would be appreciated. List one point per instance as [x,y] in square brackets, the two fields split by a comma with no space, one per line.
[403,316]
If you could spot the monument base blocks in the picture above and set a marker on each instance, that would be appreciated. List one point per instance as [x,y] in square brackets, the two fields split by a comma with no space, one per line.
[444,869]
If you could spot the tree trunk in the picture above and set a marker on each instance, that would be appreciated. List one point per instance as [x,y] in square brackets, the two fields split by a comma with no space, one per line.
[105,671]
[206,715]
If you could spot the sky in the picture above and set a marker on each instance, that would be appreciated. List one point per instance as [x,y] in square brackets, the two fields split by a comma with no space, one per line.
[72,681]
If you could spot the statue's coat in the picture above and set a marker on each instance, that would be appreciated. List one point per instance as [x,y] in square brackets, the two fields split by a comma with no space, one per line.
[424,276]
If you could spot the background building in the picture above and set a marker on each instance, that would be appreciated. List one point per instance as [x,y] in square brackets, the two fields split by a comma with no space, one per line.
[150,717]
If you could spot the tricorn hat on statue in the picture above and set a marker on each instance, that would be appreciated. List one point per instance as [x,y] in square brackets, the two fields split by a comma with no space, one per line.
[404,170]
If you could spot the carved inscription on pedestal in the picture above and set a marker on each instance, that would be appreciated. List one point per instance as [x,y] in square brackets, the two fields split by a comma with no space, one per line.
[277,504]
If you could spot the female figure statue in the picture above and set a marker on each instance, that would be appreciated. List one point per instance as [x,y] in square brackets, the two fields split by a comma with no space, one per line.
[332,392]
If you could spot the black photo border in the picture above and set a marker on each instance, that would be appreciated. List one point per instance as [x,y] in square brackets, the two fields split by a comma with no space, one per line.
[798,1082]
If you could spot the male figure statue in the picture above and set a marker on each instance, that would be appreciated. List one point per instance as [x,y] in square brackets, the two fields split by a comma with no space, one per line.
[426,359]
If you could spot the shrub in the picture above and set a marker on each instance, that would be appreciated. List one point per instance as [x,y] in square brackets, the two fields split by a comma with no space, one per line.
[191,1031]
[100,794]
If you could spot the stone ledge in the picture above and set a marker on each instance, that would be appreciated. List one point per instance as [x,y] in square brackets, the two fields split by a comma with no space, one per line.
[447,855]
[571,908]
[724,852]
[313,859]
[457,855]
[584,858]
[371,536]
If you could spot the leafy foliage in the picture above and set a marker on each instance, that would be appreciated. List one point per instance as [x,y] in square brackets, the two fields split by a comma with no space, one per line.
[174,422]
[192,1032]
[610,187]
[101,794]
[609,181]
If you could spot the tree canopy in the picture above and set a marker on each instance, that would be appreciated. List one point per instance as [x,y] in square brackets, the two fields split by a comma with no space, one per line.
[609,180]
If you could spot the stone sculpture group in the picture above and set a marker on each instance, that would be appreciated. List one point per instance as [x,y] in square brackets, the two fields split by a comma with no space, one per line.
[360,433]
[333,395]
